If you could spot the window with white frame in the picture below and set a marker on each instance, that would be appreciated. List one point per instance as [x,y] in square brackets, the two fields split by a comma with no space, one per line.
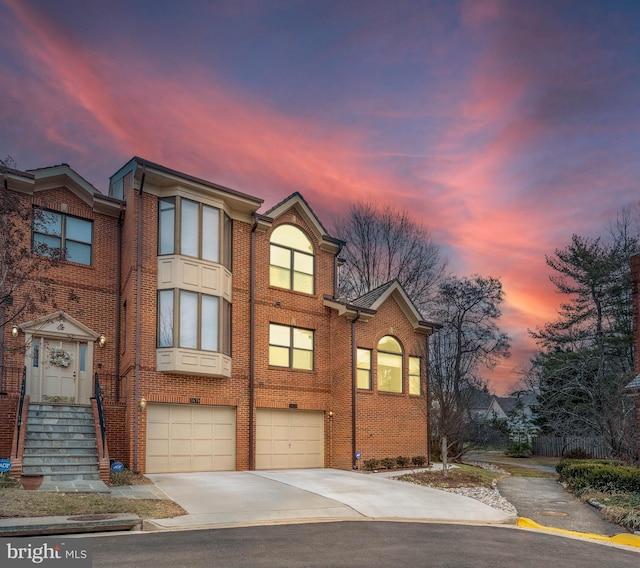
[195,229]
[193,320]
[363,369]
[291,259]
[290,347]
[389,365]
[63,236]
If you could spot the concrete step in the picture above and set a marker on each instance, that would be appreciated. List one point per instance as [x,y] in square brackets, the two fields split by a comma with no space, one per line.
[50,450]
[60,411]
[58,459]
[60,420]
[63,429]
[49,407]
[54,440]
[51,469]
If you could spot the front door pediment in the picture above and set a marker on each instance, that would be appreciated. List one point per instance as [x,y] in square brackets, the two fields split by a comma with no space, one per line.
[59,325]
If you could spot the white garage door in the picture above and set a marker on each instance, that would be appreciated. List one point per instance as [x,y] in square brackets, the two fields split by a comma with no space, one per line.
[289,439]
[184,437]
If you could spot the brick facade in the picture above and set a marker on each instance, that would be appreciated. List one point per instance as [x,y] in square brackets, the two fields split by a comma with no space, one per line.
[118,296]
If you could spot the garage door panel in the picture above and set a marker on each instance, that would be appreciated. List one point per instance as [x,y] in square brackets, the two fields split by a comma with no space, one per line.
[289,439]
[157,447]
[181,430]
[202,447]
[225,431]
[188,438]
[201,431]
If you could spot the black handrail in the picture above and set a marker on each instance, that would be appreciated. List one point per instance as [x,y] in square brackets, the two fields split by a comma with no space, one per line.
[23,391]
[103,426]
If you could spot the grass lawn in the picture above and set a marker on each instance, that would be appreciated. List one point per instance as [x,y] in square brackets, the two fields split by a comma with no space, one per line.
[17,502]
[20,503]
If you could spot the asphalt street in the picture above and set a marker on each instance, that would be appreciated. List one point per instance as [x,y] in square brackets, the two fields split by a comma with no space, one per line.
[357,544]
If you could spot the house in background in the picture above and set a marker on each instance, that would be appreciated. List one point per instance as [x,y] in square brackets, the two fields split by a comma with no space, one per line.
[205,335]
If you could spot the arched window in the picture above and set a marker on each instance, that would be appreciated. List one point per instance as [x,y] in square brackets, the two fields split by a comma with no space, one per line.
[389,365]
[291,259]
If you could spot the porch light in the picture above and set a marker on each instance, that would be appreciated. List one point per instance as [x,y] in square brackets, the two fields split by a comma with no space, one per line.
[14,331]
[142,403]
[102,340]
[331,414]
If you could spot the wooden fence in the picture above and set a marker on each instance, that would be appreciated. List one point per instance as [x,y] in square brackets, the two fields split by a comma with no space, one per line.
[559,446]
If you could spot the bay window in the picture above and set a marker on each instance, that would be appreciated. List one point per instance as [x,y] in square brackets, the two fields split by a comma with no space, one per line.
[198,321]
[194,229]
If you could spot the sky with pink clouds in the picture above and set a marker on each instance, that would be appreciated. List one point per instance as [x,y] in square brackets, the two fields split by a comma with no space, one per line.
[504,126]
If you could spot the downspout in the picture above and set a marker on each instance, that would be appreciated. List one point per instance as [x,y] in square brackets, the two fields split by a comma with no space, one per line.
[136,388]
[354,376]
[428,397]
[252,326]
[2,285]
[118,302]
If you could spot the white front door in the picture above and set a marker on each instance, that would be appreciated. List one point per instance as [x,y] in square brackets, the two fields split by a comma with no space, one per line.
[59,371]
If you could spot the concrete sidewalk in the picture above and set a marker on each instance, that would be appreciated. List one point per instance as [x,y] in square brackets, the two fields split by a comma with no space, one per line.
[223,498]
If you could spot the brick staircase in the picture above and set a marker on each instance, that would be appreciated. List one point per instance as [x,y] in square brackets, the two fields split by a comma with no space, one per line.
[60,443]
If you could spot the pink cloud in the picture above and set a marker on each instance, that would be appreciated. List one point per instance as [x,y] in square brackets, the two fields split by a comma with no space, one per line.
[467,185]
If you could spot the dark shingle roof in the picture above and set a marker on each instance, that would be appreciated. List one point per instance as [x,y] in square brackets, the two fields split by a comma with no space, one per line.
[370,298]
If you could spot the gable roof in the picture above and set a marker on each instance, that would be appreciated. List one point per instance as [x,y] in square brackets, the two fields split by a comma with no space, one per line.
[296,200]
[62,175]
[367,305]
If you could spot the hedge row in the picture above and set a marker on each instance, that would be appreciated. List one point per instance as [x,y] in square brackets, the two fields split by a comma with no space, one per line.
[393,463]
[610,476]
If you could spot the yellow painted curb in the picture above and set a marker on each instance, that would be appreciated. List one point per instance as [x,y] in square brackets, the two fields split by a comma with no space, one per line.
[623,538]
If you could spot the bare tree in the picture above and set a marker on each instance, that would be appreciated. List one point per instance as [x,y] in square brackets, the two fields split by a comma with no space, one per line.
[23,284]
[469,342]
[386,244]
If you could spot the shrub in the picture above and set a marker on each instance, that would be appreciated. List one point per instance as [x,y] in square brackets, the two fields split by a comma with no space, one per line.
[402,461]
[599,475]
[124,477]
[388,463]
[518,449]
[371,464]
[7,482]
[566,463]
[419,461]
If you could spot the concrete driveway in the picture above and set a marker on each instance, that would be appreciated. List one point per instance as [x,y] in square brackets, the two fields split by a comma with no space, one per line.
[243,497]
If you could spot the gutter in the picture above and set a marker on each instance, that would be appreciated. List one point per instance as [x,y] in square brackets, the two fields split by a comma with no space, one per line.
[136,389]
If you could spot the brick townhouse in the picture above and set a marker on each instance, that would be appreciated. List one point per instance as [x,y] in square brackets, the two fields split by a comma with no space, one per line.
[213,332]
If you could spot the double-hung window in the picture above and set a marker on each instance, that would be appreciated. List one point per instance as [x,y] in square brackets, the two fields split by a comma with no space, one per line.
[60,235]
[290,347]
[414,375]
[363,370]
